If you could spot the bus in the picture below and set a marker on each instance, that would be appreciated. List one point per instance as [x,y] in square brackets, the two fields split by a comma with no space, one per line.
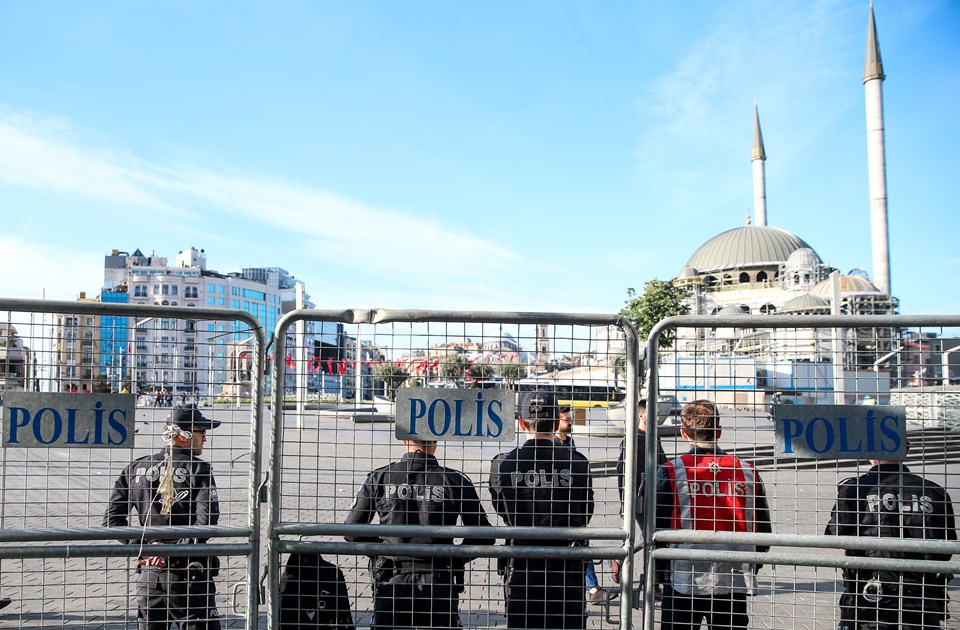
[575,393]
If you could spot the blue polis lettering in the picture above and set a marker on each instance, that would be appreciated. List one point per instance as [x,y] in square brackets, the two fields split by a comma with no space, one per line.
[820,435]
[491,427]
[20,418]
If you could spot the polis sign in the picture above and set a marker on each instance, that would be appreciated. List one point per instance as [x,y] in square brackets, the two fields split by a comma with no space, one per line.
[44,420]
[841,431]
[465,415]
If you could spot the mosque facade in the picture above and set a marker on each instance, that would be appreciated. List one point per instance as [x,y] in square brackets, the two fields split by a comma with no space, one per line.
[757,269]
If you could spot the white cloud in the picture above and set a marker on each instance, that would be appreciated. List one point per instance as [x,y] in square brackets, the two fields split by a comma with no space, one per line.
[36,270]
[34,157]
[39,153]
[794,57]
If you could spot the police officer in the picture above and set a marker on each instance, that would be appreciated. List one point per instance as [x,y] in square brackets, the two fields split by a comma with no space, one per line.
[418,592]
[641,452]
[544,485]
[890,501]
[564,437]
[172,487]
[707,489]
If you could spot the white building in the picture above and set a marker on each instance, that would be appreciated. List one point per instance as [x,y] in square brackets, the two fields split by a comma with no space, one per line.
[203,359]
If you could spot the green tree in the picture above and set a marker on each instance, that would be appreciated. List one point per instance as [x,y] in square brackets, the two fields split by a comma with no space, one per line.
[480,371]
[660,299]
[510,372]
[392,376]
[453,367]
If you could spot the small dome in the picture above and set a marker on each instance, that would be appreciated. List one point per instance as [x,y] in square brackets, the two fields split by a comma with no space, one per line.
[803,258]
[806,304]
[687,273]
[748,246]
[848,285]
[734,309]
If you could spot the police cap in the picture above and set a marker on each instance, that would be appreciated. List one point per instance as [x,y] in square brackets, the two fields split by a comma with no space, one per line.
[540,406]
[189,416]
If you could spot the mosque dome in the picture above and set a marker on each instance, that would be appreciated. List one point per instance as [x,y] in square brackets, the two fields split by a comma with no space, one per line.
[803,258]
[806,304]
[848,285]
[734,309]
[747,246]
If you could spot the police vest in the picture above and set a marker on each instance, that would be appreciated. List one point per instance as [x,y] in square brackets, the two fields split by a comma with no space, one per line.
[713,493]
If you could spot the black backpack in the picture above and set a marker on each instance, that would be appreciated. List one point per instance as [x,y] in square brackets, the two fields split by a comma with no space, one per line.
[313,594]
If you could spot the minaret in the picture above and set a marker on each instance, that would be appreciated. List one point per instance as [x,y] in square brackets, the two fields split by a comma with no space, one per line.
[876,159]
[759,173]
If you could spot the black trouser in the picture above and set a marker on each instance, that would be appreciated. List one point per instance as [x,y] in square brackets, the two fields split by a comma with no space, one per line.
[165,596]
[544,593]
[679,611]
[915,608]
[417,600]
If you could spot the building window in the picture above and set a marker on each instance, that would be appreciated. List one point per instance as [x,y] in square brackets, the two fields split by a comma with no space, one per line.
[156,289]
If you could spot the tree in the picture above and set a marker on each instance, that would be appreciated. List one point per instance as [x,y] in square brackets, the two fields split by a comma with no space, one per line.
[392,376]
[660,299]
[510,372]
[480,371]
[453,367]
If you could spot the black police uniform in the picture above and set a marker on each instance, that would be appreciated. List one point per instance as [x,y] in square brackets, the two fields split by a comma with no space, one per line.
[641,438]
[313,595]
[544,485]
[183,591]
[891,502]
[418,592]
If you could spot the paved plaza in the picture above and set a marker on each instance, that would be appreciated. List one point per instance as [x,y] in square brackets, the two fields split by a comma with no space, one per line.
[325,456]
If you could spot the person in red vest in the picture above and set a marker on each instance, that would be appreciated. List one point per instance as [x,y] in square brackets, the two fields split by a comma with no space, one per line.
[707,489]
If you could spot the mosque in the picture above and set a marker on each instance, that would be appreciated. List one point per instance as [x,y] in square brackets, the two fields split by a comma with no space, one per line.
[758,269]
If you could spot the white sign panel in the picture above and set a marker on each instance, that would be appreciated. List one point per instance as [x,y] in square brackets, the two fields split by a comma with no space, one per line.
[43,420]
[466,415]
[841,431]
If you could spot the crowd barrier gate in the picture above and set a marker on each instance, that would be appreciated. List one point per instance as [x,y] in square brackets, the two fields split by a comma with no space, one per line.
[331,433]
[740,362]
[331,423]
[58,564]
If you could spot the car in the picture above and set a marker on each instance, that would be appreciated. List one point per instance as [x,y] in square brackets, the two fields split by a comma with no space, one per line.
[668,409]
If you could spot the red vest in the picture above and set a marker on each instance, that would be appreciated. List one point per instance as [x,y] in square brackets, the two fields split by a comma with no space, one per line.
[713,492]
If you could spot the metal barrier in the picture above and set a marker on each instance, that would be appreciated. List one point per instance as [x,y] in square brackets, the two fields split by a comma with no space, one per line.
[336,424]
[333,420]
[55,562]
[742,362]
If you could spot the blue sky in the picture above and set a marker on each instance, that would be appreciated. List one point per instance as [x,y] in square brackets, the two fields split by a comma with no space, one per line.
[499,155]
